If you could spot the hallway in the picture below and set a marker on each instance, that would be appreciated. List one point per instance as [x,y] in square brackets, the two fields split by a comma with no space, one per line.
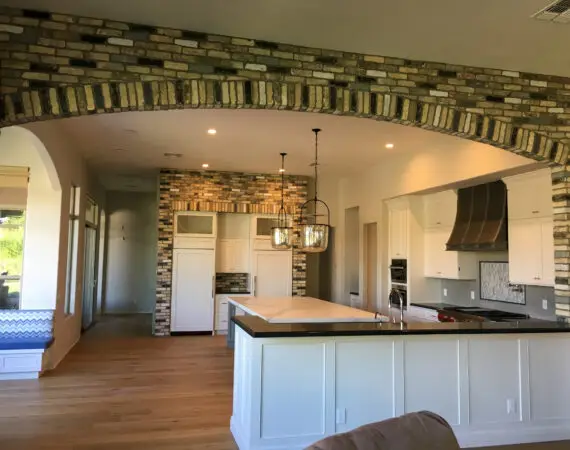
[122,389]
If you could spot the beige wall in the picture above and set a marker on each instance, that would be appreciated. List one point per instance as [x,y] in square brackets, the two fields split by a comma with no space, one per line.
[400,175]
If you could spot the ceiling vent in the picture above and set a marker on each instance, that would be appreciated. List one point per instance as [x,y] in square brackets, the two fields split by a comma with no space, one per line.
[558,11]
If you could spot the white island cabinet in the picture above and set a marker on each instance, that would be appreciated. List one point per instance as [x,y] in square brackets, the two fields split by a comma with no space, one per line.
[494,389]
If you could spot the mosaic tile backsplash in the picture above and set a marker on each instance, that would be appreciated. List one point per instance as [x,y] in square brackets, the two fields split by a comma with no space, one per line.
[237,283]
[495,284]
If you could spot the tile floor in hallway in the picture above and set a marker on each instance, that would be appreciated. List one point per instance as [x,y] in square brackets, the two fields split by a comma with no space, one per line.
[120,388]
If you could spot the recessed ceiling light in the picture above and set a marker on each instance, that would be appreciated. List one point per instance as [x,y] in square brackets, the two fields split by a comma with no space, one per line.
[389,145]
[205,166]
[173,155]
[212,131]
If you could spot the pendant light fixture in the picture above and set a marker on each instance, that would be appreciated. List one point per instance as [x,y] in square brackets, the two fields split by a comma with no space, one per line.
[314,236]
[282,234]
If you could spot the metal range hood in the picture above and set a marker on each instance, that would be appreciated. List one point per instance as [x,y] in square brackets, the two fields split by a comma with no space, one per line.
[481,221]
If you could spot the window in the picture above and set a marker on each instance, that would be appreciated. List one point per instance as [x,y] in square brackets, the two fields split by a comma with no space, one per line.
[71,283]
[11,256]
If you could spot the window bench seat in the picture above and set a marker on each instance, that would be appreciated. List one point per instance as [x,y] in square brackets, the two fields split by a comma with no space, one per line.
[24,337]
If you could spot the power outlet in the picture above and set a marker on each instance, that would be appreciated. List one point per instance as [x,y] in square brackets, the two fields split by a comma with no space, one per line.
[445,292]
[544,303]
[472,295]
[341,415]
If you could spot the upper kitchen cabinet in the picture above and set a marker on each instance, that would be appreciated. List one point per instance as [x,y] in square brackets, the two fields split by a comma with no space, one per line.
[232,254]
[441,263]
[440,209]
[531,233]
[194,229]
[530,195]
[233,226]
[398,230]
[531,252]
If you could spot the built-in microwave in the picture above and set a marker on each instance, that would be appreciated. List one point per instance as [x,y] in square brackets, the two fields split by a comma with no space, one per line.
[399,271]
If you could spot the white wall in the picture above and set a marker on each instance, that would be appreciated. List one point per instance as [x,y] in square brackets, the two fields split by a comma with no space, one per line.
[55,165]
[402,174]
[132,252]
[19,147]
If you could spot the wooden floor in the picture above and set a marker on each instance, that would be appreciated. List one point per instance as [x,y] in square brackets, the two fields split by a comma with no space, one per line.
[120,388]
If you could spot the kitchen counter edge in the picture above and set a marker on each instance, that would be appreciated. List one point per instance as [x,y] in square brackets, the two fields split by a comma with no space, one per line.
[259,328]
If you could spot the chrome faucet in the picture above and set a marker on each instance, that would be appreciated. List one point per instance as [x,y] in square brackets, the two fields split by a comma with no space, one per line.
[401,298]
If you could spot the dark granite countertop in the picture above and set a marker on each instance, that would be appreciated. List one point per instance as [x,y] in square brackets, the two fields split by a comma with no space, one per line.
[259,328]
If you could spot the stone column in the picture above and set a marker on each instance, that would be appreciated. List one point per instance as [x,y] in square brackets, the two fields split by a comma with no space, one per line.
[561,217]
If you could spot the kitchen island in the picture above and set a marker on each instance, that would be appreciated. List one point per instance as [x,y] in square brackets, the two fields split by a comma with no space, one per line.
[495,383]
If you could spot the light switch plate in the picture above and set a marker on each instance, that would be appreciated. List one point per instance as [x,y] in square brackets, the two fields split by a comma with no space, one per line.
[445,292]
[341,415]
[472,294]
[544,303]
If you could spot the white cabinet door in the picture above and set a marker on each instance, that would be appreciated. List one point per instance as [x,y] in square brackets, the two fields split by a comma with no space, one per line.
[525,252]
[232,256]
[433,251]
[272,273]
[398,233]
[530,195]
[440,209]
[440,263]
[192,290]
[241,255]
[547,232]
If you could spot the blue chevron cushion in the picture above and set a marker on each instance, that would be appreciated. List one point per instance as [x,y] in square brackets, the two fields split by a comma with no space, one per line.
[26,329]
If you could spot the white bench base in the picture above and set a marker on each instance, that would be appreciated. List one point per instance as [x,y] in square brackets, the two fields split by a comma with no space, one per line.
[21,364]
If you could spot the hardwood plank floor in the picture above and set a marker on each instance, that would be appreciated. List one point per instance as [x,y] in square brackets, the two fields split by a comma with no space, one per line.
[122,389]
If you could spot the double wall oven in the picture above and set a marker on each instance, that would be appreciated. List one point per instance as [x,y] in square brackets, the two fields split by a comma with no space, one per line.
[399,282]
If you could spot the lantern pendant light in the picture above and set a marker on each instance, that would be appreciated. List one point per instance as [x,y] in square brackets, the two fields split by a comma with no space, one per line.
[282,234]
[314,236]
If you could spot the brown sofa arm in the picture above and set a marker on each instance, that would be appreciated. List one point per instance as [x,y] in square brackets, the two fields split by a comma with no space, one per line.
[416,431]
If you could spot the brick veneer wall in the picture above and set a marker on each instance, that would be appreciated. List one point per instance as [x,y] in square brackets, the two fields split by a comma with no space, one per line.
[221,192]
[56,65]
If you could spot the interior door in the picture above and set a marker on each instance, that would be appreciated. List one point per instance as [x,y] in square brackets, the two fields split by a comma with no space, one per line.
[273,273]
[89,278]
[193,290]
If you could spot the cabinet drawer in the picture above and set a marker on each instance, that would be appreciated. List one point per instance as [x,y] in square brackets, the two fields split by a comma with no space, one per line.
[221,324]
[21,363]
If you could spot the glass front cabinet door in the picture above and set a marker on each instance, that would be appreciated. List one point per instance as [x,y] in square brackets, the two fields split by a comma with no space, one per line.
[261,226]
[195,224]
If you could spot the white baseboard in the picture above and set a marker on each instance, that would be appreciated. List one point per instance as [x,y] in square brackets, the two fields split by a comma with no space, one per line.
[19,376]
[486,438]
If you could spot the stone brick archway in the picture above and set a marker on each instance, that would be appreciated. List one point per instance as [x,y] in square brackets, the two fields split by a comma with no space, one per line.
[55,65]
[97,98]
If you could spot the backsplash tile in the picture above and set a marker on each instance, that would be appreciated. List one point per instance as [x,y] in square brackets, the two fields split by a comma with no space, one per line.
[232,283]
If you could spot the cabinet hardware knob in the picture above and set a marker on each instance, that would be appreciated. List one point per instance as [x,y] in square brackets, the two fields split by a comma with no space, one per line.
[535,212]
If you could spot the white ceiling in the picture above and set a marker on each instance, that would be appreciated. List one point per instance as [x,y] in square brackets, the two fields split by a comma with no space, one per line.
[487,33]
[128,148]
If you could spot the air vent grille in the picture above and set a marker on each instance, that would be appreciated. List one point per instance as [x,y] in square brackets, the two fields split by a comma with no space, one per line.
[558,11]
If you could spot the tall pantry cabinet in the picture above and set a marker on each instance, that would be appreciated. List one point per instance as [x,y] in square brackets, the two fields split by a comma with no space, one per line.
[193,272]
